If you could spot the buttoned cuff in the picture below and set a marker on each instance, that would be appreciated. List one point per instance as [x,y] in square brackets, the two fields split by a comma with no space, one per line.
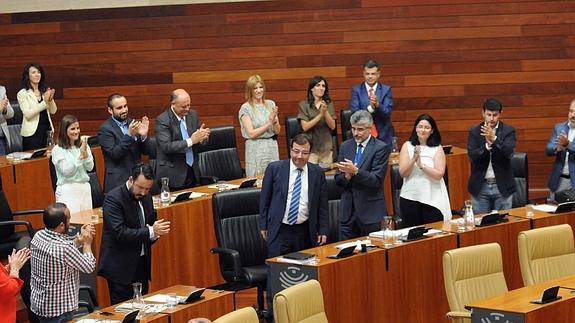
[370,109]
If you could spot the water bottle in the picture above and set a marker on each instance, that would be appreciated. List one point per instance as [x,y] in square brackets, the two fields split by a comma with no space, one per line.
[165,197]
[138,300]
[469,216]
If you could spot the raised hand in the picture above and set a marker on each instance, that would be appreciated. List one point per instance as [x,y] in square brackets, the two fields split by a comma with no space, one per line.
[144,127]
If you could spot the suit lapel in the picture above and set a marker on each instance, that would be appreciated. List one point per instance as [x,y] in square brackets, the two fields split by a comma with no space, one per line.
[284,178]
[175,124]
[366,151]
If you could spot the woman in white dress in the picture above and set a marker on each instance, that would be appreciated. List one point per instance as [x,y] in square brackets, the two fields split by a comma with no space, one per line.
[423,197]
[260,127]
[72,159]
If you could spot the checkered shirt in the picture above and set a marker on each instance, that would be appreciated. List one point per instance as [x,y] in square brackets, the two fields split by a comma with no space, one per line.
[56,264]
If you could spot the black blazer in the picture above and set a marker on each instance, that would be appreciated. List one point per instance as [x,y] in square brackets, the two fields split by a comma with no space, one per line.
[501,153]
[123,236]
[121,152]
[171,159]
[362,197]
[274,194]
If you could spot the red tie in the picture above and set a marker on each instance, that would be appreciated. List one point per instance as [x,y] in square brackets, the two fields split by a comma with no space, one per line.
[373,129]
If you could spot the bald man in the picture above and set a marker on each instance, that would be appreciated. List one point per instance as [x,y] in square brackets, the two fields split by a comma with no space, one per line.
[178,131]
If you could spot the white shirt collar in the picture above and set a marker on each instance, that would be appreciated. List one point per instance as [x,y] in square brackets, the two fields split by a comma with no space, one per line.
[367,87]
[293,167]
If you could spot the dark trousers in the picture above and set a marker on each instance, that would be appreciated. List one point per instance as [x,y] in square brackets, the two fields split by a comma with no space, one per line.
[415,213]
[355,228]
[120,292]
[290,238]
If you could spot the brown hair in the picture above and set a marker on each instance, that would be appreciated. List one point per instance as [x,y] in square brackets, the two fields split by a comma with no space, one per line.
[63,140]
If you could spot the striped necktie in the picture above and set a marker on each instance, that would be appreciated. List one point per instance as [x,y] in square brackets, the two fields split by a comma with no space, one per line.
[294,204]
[358,154]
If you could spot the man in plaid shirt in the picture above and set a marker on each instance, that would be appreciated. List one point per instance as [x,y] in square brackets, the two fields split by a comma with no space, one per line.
[56,265]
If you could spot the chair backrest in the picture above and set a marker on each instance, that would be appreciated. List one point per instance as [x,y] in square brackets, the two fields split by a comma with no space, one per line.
[93,141]
[520,167]
[5,215]
[293,128]
[300,303]
[345,124]
[18,116]
[15,143]
[546,253]
[236,215]
[221,163]
[243,315]
[220,138]
[334,197]
[473,273]
[219,157]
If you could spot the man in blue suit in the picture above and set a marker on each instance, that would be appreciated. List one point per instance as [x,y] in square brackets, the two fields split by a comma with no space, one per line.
[293,205]
[375,98]
[361,167]
[562,147]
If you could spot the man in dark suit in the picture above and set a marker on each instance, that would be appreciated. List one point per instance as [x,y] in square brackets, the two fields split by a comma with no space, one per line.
[123,141]
[130,228]
[490,146]
[361,167]
[293,204]
[374,97]
[177,131]
[561,145]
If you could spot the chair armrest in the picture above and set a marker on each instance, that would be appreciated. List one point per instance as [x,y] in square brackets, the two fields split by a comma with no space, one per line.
[233,256]
[86,305]
[91,294]
[458,314]
[27,212]
[28,225]
[207,180]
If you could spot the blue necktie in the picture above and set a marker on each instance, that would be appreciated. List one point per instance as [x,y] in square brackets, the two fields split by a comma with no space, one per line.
[294,204]
[189,152]
[358,154]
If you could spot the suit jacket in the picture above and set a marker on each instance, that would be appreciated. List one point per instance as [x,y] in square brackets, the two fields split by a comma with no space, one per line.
[559,162]
[362,197]
[121,152]
[171,159]
[123,236]
[3,117]
[382,115]
[31,111]
[274,195]
[501,153]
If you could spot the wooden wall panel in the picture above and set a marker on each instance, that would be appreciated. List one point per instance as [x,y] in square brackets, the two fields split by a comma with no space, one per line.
[442,57]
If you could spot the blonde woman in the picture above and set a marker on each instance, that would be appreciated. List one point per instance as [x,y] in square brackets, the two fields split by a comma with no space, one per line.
[260,126]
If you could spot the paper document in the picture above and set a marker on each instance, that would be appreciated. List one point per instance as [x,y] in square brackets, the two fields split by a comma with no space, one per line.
[545,207]
[356,243]
[403,233]
[311,260]
[226,186]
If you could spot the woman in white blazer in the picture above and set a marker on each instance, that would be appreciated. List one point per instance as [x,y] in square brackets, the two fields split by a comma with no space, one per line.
[37,103]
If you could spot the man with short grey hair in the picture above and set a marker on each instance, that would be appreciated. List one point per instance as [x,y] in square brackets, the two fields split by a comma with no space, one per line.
[361,167]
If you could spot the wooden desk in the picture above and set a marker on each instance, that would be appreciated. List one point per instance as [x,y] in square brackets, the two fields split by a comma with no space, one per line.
[367,286]
[504,233]
[516,307]
[543,219]
[213,305]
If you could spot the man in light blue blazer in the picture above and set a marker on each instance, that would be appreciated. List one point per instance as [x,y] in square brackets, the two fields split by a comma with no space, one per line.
[561,146]
[6,112]
[361,168]
[376,98]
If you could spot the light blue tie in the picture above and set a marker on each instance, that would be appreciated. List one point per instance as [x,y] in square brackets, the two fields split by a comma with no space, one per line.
[189,152]
[294,204]
[358,154]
